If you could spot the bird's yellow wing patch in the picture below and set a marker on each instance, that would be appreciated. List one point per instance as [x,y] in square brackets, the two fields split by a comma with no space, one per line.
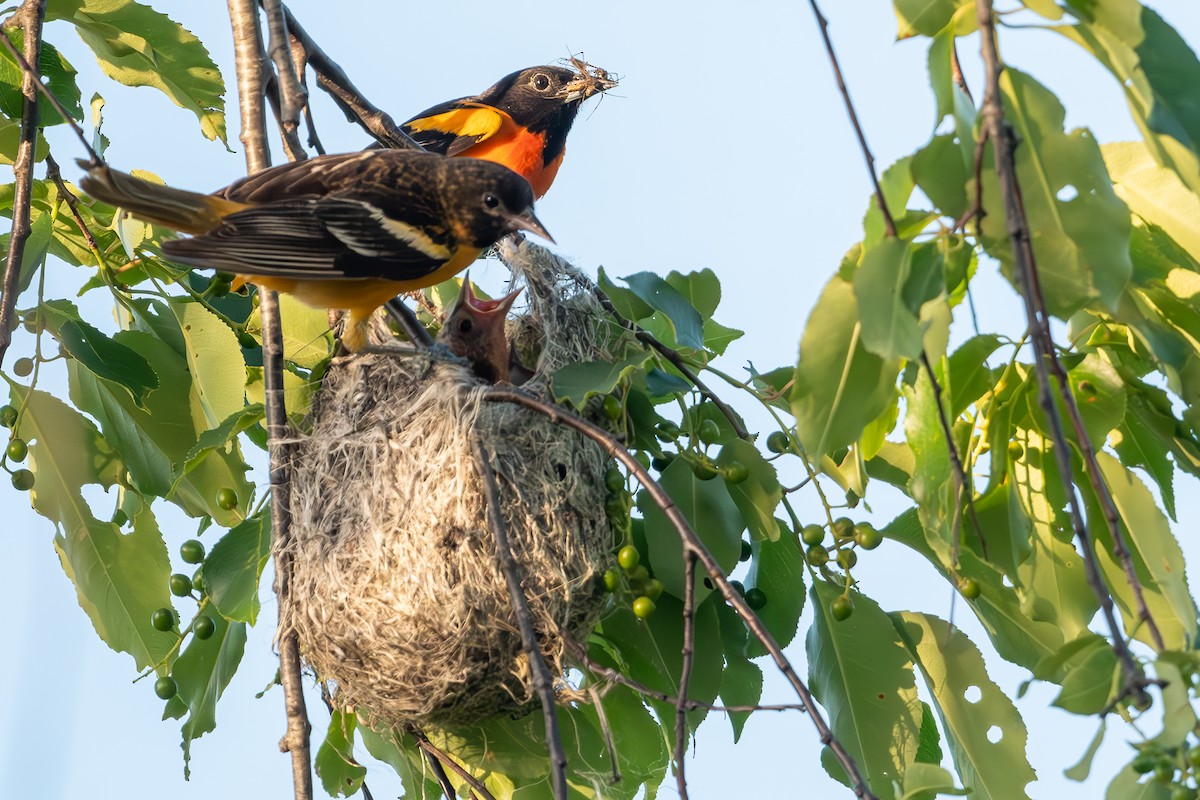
[469,120]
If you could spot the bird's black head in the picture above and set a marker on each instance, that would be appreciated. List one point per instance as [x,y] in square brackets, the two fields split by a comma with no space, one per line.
[490,200]
[548,97]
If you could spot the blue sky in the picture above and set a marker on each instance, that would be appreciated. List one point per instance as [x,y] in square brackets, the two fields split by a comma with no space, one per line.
[726,146]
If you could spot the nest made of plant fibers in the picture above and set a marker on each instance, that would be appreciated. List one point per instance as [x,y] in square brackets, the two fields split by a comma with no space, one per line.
[395,592]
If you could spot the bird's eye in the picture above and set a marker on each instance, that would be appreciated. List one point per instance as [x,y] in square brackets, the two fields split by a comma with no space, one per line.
[541,81]
[491,201]
[465,325]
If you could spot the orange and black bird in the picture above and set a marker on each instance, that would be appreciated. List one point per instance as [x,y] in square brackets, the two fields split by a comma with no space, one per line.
[474,330]
[521,122]
[345,231]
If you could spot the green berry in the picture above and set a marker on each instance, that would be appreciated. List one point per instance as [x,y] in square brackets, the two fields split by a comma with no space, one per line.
[779,442]
[1181,792]
[654,588]
[643,607]
[639,573]
[203,627]
[756,598]
[8,416]
[817,555]
[163,619]
[747,551]
[17,449]
[198,580]
[611,406]
[22,480]
[841,608]
[843,528]
[1144,762]
[739,587]
[1164,772]
[614,481]
[165,687]
[180,585]
[709,431]
[628,557]
[847,559]
[1193,756]
[735,472]
[192,551]
[703,469]
[667,431]
[866,536]
[969,587]
[611,580]
[644,459]
[22,367]
[661,463]
[812,534]
[1015,450]
[227,498]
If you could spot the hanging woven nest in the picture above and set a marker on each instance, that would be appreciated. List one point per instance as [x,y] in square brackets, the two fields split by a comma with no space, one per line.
[396,595]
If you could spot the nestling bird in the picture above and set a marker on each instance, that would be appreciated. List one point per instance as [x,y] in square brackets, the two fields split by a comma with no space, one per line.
[474,330]
[344,231]
[521,122]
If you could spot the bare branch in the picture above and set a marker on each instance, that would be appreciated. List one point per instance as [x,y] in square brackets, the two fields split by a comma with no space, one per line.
[432,749]
[888,222]
[692,544]
[543,681]
[291,95]
[54,174]
[29,16]
[685,670]
[1039,326]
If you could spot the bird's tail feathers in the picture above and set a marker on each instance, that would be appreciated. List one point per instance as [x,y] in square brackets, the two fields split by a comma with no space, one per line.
[189,212]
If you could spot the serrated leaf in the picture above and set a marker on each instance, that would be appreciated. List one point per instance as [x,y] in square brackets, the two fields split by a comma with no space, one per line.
[341,775]
[863,676]
[202,672]
[759,494]
[105,358]
[718,337]
[1154,193]
[840,387]
[58,76]
[701,289]
[138,46]
[952,667]
[234,567]
[662,296]
[929,751]
[777,568]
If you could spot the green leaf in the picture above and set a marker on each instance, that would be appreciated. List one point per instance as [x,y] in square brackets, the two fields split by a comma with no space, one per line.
[341,775]
[923,781]
[202,672]
[717,337]
[1145,437]
[1131,785]
[1081,769]
[1078,226]
[932,484]
[942,174]
[216,438]
[924,17]
[929,751]
[59,78]
[1154,193]
[701,289]
[138,46]
[759,495]
[215,363]
[307,340]
[862,674]
[1179,718]
[840,387]
[234,566]
[889,324]
[1100,394]
[105,358]
[10,139]
[660,295]
[777,568]
[1093,682]
[711,513]
[968,376]
[402,754]
[742,681]
[972,708]
[575,383]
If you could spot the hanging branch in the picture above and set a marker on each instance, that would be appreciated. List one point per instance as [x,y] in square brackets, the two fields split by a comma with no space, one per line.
[693,546]
[823,24]
[543,681]
[291,96]
[29,17]
[247,45]
[1035,311]
[431,749]
[334,80]
[54,174]
[685,670]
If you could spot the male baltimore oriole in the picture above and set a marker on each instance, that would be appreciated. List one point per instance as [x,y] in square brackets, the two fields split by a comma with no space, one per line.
[345,231]
[474,330]
[521,122]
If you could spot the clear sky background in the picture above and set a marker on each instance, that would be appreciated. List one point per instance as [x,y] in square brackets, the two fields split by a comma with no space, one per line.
[726,146]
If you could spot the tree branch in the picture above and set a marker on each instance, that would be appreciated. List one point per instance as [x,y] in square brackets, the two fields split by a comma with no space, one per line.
[29,16]
[693,545]
[685,670]
[1035,311]
[54,174]
[430,748]
[248,48]
[292,96]
[543,681]
[888,222]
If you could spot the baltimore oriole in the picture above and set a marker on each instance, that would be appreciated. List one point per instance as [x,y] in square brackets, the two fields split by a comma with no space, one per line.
[521,122]
[474,330]
[345,231]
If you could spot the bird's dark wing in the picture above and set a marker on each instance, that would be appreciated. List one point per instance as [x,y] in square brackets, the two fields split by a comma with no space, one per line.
[316,239]
[452,127]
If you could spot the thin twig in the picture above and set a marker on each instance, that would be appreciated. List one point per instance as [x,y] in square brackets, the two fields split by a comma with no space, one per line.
[357,108]
[685,670]
[247,45]
[692,544]
[300,60]
[1019,238]
[29,17]
[976,210]
[956,73]
[543,681]
[408,321]
[439,773]
[606,732]
[54,174]
[429,747]
[292,96]
[888,222]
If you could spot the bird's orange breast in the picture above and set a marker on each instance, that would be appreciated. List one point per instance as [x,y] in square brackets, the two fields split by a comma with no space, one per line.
[520,150]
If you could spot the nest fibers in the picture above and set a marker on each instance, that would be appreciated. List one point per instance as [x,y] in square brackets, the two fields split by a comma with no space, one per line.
[396,595]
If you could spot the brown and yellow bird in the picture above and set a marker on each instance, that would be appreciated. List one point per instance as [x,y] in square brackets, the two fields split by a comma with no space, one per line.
[345,231]
[521,122]
[474,330]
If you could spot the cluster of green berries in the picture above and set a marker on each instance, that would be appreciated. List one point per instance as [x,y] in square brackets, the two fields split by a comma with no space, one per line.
[17,450]
[847,536]
[165,619]
[1174,767]
[643,588]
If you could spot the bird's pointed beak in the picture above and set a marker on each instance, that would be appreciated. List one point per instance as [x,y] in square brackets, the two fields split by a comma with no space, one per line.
[490,308]
[528,222]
